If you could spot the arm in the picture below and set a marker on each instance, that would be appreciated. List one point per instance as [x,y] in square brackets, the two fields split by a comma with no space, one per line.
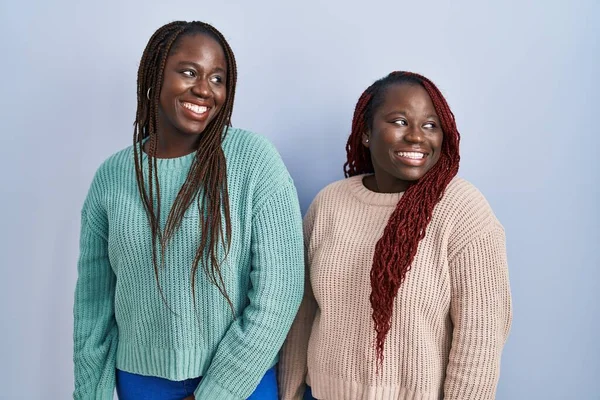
[95,330]
[481,312]
[254,338]
[292,367]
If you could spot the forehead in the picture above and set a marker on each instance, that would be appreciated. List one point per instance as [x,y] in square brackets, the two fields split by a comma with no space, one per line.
[197,47]
[407,97]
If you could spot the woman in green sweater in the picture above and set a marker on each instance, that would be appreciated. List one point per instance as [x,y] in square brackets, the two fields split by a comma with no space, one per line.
[191,262]
[409,296]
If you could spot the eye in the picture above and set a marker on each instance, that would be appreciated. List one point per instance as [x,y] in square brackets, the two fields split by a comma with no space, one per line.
[217,79]
[401,122]
[189,73]
[429,125]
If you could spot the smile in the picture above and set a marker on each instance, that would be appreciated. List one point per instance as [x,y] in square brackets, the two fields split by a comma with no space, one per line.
[195,108]
[413,155]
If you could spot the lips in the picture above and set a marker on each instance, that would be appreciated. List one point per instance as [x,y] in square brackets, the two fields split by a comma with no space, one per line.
[413,155]
[195,108]
[411,158]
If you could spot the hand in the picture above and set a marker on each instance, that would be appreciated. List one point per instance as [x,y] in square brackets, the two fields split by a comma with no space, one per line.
[190,397]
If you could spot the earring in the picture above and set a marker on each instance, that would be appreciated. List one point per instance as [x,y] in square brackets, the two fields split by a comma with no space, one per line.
[366,140]
[148,92]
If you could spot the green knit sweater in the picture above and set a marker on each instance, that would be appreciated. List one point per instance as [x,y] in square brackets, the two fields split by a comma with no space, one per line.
[121,320]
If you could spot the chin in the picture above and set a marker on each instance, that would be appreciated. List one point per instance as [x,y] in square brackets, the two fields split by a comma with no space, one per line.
[193,130]
[412,178]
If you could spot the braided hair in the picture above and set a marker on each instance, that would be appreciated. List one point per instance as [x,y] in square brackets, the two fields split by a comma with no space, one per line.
[206,181]
[396,249]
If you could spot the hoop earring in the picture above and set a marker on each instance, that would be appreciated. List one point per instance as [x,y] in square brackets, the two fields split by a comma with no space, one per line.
[148,92]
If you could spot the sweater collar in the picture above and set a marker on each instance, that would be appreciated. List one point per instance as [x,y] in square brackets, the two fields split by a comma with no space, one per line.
[170,163]
[364,195]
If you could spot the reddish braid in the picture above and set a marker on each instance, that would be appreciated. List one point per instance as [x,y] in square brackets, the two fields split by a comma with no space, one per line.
[396,249]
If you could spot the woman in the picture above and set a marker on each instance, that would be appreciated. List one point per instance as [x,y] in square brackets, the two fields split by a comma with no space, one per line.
[191,193]
[408,296]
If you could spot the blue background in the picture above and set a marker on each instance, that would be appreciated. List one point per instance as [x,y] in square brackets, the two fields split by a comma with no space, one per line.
[521,77]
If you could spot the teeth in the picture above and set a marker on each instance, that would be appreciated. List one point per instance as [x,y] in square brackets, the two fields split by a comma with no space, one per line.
[411,154]
[195,108]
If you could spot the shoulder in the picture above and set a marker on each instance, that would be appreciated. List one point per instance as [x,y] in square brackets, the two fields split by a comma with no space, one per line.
[253,157]
[461,193]
[329,199]
[332,192]
[116,162]
[247,145]
[462,198]
[466,211]
[255,168]
[110,169]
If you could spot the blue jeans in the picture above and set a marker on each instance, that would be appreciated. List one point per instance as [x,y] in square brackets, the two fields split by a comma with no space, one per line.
[308,394]
[139,387]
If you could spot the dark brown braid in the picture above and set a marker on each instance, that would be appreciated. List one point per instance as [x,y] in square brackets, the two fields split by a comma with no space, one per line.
[206,181]
[396,249]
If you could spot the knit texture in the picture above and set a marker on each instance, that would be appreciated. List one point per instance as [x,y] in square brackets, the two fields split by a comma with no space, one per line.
[451,316]
[121,320]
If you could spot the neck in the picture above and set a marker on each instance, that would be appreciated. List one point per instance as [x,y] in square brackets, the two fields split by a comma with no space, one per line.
[169,147]
[376,184]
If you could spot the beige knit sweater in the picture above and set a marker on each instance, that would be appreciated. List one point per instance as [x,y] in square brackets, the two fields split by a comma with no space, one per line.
[451,316]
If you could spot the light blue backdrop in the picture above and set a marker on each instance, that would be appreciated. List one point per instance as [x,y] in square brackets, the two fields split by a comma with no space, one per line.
[521,77]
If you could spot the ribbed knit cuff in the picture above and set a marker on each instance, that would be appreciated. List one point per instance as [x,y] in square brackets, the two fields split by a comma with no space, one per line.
[106,394]
[101,394]
[210,389]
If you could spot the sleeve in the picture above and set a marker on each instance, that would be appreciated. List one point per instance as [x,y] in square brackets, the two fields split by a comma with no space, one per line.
[277,276]
[95,330]
[292,367]
[481,313]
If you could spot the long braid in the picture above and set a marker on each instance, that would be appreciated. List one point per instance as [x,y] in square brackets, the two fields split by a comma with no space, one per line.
[207,178]
[359,162]
[397,247]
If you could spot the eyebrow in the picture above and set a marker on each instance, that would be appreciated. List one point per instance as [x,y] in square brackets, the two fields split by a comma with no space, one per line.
[430,116]
[197,66]
[395,112]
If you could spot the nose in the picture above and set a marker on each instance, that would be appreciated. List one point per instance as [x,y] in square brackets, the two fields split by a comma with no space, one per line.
[202,88]
[414,135]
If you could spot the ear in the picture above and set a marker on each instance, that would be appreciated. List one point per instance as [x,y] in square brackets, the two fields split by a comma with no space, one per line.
[366,139]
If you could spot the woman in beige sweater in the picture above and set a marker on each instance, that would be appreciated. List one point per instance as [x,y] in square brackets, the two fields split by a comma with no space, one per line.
[408,296]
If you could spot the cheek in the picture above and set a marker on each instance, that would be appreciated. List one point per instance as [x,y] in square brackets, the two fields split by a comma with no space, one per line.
[221,96]
[383,139]
[174,85]
[380,142]
[167,92]
[164,105]
[437,142]
[388,137]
